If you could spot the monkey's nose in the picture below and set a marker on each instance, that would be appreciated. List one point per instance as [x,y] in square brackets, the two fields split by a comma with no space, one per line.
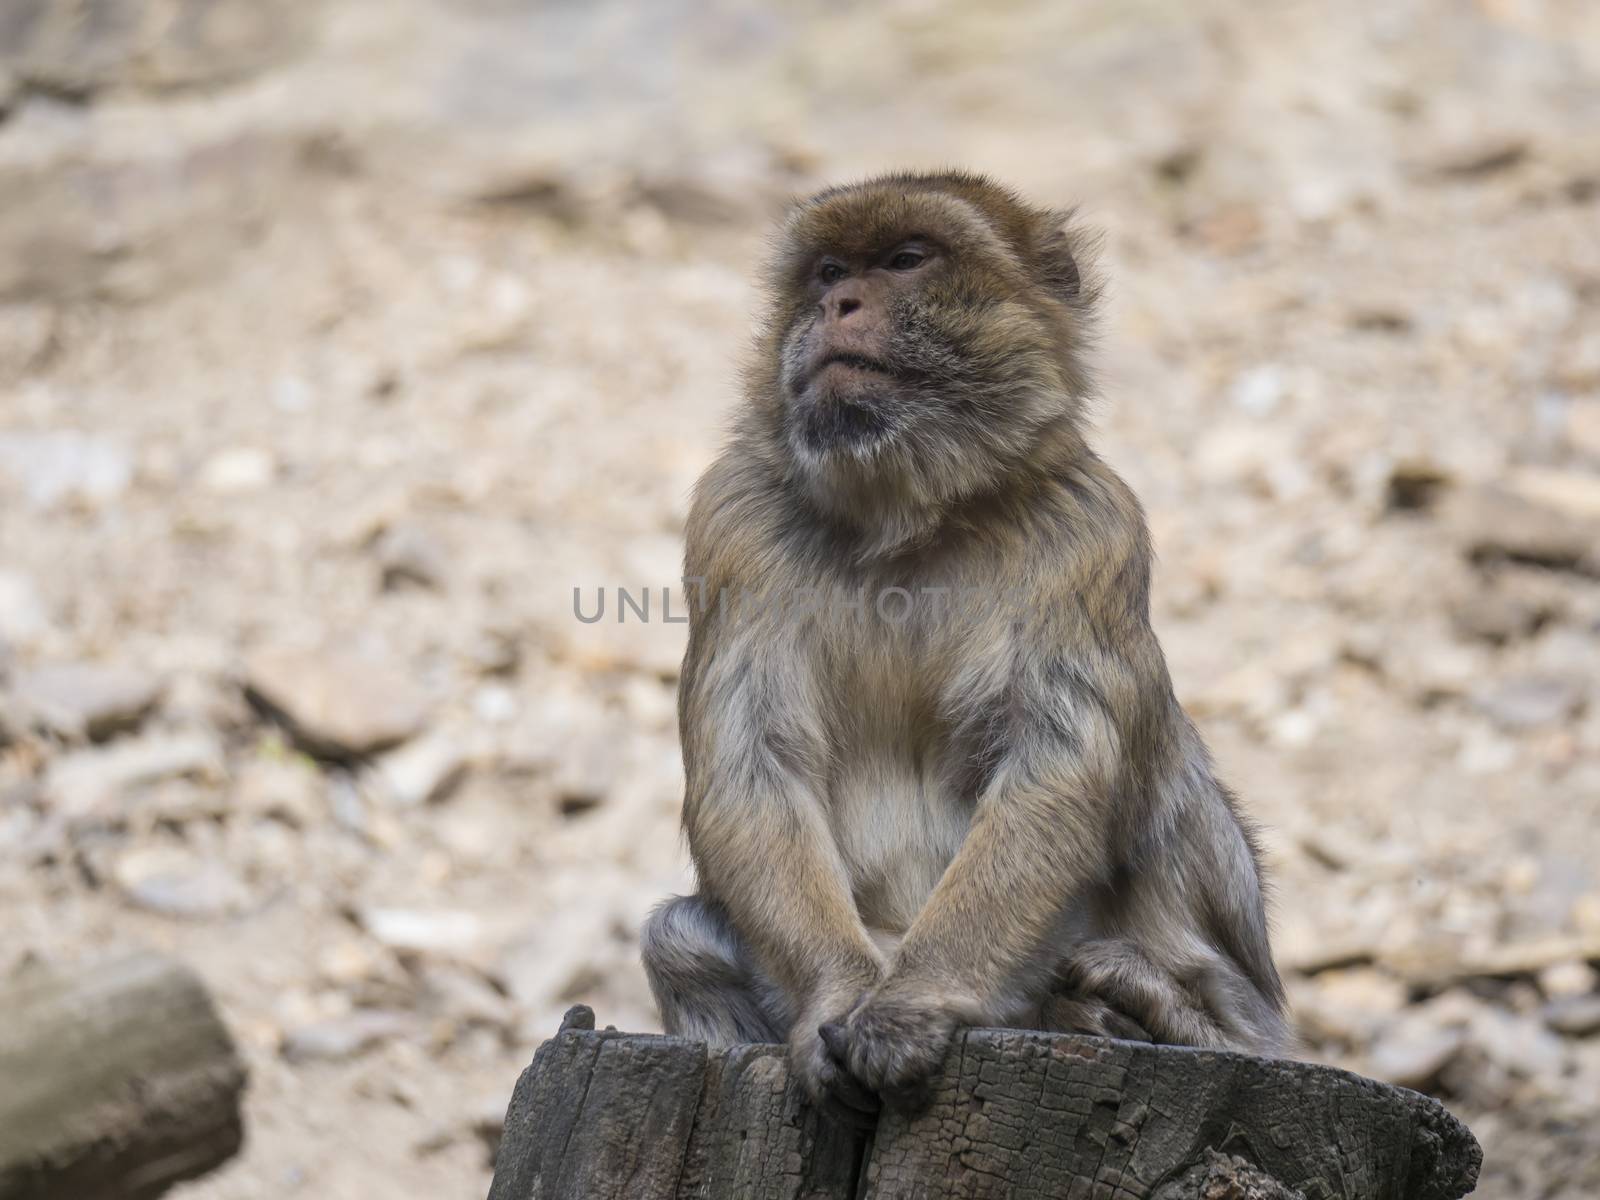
[845,306]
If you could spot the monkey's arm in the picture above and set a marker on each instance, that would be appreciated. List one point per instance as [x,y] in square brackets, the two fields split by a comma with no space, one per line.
[754,743]
[1041,832]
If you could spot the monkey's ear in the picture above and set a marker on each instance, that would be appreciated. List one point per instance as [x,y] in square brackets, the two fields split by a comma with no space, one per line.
[1061,253]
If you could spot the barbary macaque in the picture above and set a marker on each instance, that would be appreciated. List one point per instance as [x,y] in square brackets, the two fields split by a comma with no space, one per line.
[952,785]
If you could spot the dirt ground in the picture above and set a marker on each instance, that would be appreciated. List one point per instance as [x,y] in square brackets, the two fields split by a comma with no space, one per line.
[340,342]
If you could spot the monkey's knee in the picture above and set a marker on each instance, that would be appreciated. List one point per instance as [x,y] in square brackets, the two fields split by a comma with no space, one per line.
[703,978]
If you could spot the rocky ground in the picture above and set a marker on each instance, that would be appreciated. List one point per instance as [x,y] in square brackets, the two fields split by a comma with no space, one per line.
[340,342]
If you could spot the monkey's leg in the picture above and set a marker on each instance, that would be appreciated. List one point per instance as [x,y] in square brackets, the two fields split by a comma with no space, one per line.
[1116,975]
[705,981]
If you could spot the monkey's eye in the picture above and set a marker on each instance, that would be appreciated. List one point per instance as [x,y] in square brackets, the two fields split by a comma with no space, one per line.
[908,259]
[830,272]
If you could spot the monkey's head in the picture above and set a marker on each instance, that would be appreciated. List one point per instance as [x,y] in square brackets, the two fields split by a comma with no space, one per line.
[927,332]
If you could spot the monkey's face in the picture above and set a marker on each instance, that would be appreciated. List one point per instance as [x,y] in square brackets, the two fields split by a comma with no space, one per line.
[924,333]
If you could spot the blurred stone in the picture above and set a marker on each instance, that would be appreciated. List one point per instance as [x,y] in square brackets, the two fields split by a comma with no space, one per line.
[1479,159]
[548,967]
[283,789]
[496,651]
[420,931]
[1530,702]
[586,773]
[22,612]
[488,1124]
[1503,613]
[1492,523]
[178,883]
[1583,428]
[77,47]
[1260,390]
[344,1037]
[28,332]
[240,469]
[336,705]
[1520,1045]
[85,699]
[1573,977]
[1413,1054]
[1529,957]
[1347,1005]
[95,780]
[424,771]
[1575,494]
[1574,1016]
[463,996]
[59,466]
[494,704]
[409,556]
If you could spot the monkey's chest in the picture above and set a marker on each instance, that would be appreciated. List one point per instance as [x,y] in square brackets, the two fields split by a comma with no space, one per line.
[897,822]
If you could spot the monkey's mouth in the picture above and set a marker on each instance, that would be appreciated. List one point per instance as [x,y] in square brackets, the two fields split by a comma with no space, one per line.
[854,362]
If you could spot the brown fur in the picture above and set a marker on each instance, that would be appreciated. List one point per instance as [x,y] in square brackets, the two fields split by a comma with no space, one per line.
[990,810]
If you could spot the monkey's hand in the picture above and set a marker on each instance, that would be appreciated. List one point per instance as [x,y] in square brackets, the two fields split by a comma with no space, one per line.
[821,1072]
[894,1040]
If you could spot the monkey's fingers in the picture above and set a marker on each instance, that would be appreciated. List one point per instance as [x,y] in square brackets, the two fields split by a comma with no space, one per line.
[848,1103]
[1120,1025]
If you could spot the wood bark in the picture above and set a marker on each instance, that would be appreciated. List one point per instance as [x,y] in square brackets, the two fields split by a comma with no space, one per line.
[116,1081]
[1014,1114]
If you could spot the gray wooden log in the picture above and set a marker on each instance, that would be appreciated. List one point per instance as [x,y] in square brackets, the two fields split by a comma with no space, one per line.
[612,1116]
[116,1081]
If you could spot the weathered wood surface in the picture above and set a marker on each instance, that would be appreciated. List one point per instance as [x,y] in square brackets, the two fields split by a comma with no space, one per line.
[1015,1114]
[115,1082]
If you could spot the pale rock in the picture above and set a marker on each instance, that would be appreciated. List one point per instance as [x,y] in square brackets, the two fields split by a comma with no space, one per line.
[93,780]
[1575,493]
[1530,701]
[1568,978]
[464,997]
[284,789]
[1583,428]
[408,555]
[64,466]
[549,966]
[1412,1053]
[1574,1016]
[176,882]
[23,617]
[1495,523]
[496,651]
[1486,754]
[423,771]
[445,932]
[1529,956]
[351,961]
[85,699]
[237,470]
[1517,1044]
[1347,1005]
[344,1037]
[335,704]
[494,704]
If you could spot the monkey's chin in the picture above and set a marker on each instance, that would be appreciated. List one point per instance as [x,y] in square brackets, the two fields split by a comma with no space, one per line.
[855,425]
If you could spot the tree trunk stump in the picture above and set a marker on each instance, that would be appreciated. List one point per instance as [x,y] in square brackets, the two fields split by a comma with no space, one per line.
[1015,1114]
[116,1081]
